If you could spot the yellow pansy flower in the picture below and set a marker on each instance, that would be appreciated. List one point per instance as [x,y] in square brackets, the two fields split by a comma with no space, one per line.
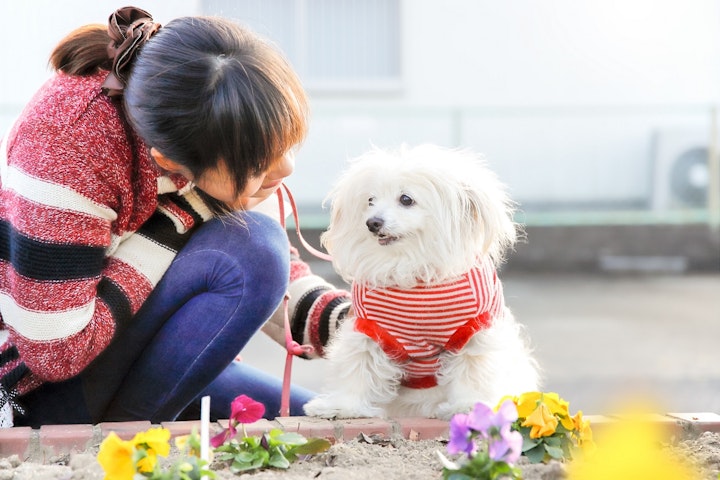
[556,404]
[155,439]
[559,407]
[152,442]
[542,422]
[527,403]
[115,457]
[145,460]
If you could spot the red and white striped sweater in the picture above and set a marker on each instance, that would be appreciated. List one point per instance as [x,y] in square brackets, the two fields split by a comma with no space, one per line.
[414,326]
[88,226]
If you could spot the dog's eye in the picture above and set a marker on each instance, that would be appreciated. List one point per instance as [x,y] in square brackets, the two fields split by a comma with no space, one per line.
[371,201]
[406,200]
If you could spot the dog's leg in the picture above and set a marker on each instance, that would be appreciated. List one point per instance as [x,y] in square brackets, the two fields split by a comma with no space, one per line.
[465,379]
[495,362]
[363,378]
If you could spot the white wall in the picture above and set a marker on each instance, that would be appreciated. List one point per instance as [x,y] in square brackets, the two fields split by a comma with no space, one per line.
[564,97]
[562,52]
[31,29]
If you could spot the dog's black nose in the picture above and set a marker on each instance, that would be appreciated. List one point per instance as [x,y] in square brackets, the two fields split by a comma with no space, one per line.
[374,224]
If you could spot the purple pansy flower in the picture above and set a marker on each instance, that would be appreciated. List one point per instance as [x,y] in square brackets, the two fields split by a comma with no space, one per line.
[461,436]
[507,446]
[507,413]
[481,419]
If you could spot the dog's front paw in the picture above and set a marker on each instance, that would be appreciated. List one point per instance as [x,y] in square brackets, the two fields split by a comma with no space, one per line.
[329,406]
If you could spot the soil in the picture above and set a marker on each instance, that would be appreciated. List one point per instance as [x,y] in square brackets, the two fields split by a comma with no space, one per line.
[362,458]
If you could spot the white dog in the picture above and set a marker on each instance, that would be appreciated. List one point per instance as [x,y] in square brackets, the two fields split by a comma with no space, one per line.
[419,233]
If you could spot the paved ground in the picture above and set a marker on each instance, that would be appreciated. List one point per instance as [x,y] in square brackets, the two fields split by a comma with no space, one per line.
[600,337]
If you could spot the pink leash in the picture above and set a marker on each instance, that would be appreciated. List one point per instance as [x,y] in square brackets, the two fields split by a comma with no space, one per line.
[293,348]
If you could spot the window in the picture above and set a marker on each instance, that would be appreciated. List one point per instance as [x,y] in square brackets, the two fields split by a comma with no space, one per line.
[333,44]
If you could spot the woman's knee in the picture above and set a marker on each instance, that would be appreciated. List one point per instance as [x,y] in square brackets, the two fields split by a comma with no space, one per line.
[249,248]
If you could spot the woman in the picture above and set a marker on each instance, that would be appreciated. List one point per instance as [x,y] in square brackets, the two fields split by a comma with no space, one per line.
[133,266]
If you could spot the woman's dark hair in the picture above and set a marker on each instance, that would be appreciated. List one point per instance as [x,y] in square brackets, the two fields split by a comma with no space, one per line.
[205,89]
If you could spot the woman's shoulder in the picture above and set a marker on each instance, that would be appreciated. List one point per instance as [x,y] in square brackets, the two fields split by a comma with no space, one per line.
[71,134]
[70,118]
[71,130]
[64,99]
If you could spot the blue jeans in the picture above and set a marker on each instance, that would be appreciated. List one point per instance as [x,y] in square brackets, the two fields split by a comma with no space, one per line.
[220,289]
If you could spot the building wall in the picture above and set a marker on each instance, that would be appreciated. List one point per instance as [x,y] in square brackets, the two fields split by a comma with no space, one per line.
[570,101]
[573,103]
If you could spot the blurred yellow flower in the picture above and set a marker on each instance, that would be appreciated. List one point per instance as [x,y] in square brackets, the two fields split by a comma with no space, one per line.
[181,442]
[542,422]
[189,444]
[150,444]
[116,458]
[630,449]
[155,439]
[145,461]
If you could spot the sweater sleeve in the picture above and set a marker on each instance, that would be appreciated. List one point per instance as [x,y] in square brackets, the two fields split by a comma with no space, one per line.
[315,309]
[138,260]
[84,238]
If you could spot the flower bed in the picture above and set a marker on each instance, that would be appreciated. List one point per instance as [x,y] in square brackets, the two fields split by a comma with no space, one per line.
[532,436]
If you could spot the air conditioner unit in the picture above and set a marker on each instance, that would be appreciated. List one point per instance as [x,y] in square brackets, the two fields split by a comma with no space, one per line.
[681,175]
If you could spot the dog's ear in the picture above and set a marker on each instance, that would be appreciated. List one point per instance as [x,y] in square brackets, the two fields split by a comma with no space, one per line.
[340,201]
[327,237]
[490,211]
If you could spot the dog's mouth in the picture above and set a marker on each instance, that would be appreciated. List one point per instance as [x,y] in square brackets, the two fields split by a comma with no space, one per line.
[384,239]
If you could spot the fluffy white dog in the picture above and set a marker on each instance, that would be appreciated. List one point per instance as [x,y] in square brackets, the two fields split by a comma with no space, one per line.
[419,233]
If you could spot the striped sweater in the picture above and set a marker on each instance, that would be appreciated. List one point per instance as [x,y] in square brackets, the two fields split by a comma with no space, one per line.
[414,326]
[88,226]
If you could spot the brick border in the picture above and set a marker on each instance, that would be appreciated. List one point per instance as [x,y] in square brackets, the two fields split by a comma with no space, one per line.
[48,442]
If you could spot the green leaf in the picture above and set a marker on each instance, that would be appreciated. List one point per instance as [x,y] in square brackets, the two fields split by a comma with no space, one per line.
[529,443]
[456,476]
[311,447]
[553,440]
[554,452]
[254,462]
[536,455]
[560,428]
[246,457]
[524,430]
[504,470]
[498,468]
[224,456]
[291,438]
[278,460]
[231,446]
[252,442]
